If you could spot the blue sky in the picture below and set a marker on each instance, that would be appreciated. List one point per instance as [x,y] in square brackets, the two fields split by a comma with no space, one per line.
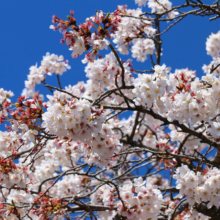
[26,37]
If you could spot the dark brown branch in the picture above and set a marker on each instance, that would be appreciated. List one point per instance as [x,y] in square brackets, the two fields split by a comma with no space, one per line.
[120,63]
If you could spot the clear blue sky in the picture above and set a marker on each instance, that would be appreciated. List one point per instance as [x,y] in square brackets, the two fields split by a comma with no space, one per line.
[26,37]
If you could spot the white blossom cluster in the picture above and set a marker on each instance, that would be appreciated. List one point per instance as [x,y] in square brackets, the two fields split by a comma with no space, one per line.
[50,64]
[11,174]
[72,118]
[213,49]
[86,90]
[213,45]
[71,185]
[142,200]
[181,96]
[213,64]
[9,141]
[187,214]
[45,168]
[63,152]
[76,119]
[148,87]
[17,177]
[96,41]
[199,187]
[159,6]
[155,137]
[141,2]
[142,48]
[17,198]
[191,143]
[22,131]
[187,99]
[78,47]
[149,139]
[128,29]
[101,148]
[103,71]
[102,74]
[78,89]
[4,97]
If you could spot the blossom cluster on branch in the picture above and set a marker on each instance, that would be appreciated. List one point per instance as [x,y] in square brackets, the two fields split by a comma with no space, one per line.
[76,155]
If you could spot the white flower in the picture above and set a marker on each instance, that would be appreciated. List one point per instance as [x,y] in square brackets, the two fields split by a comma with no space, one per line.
[139,181]
[141,2]
[30,136]
[213,44]
[78,48]
[102,44]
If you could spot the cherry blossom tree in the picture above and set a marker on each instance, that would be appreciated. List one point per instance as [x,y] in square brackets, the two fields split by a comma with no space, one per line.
[76,155]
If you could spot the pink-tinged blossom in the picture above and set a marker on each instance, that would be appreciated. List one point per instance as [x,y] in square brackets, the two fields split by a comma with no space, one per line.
[215,129]
[78,48]
[74,119]
[30,136]
[141,2]
[149,87]
[213,45]
[198,187]
[127,32]
[102,44]
[50,64]
[161,6]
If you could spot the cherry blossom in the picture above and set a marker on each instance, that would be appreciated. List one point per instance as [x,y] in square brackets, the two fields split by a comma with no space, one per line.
[125,143]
